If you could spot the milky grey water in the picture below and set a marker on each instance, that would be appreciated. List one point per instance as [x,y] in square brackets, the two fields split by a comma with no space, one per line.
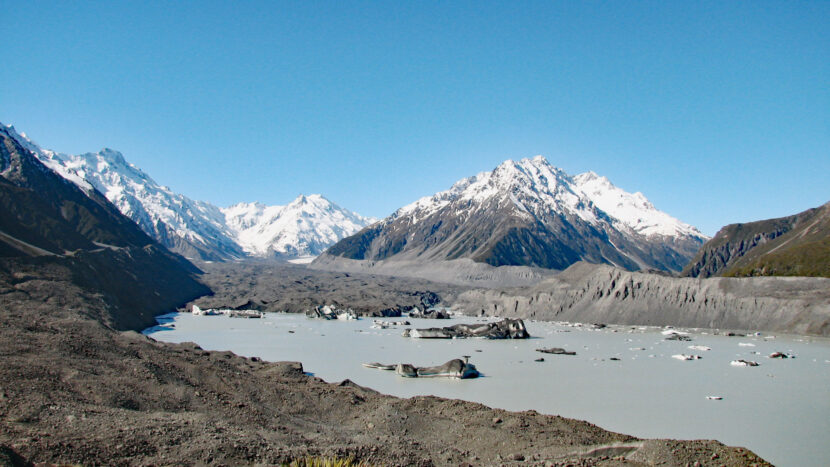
[780,409]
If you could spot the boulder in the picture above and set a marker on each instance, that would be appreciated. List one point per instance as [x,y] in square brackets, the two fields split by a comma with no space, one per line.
[429,300]
[392,312]
[406,370]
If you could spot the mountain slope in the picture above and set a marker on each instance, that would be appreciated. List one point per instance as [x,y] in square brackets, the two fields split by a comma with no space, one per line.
[55,231]
[797,245]
[305,227]
[191,228]
[197,229]
[528,213]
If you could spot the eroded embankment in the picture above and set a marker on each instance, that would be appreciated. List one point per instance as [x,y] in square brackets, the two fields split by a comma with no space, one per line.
[603,294]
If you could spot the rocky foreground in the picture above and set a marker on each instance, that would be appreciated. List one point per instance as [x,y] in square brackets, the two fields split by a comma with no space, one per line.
[75,391]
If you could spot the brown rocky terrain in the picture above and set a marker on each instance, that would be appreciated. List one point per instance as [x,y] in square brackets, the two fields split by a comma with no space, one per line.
[271,286]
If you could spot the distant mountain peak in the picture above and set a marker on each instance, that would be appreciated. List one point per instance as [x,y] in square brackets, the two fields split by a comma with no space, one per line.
[114,157]
[305,227]
[529,212]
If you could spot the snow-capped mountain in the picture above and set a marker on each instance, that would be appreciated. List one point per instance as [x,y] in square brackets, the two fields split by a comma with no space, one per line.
[533,214]
[305,227]
[191,228]
[197,229]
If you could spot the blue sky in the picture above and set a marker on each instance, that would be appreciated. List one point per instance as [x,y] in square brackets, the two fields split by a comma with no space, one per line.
[718,112]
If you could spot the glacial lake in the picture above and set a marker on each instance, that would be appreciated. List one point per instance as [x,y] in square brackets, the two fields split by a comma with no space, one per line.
[779,409]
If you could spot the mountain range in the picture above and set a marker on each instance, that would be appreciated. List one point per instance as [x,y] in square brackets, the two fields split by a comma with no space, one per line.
[528,213]
[197,229]
[523,213]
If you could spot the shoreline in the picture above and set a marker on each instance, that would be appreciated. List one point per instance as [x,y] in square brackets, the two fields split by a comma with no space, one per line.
[588,373]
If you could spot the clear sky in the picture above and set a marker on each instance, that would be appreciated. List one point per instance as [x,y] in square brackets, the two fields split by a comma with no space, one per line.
[718,112]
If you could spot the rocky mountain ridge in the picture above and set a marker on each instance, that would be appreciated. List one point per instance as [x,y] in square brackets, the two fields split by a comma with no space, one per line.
[528,213]
[52,231]
[797,245]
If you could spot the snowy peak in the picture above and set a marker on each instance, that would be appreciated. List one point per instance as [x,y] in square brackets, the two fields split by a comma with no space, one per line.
[304,227]
[20,137]
[532,186]
[114,157]
[312,204]
[529,213]
[192,228]
[49,158]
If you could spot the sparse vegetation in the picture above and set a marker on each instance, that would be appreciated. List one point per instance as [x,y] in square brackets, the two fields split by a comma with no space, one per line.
[810,259]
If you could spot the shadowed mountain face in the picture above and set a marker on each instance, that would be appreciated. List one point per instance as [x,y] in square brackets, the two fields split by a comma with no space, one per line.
[529,213]
[797,245]
[52,231]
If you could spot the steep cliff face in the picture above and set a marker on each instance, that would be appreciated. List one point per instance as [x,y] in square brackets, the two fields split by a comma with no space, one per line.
[797,245]
[595,293]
